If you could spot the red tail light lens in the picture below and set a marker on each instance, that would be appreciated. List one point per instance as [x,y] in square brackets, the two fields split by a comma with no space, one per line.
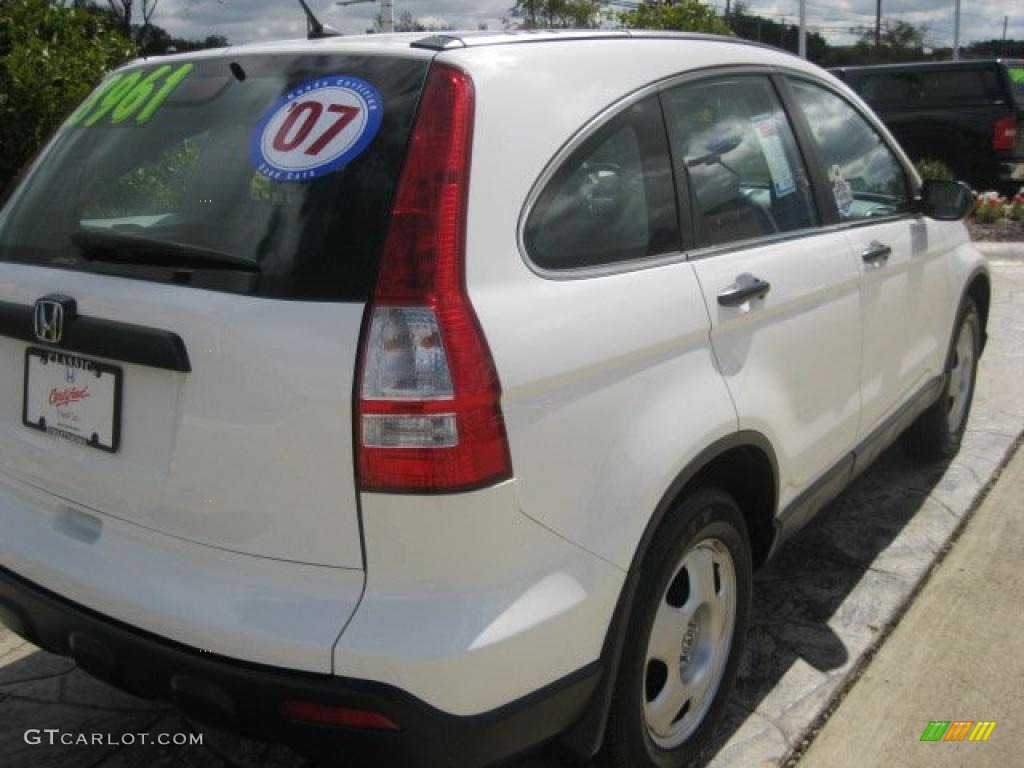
[324,714]
[429,416]
[1004,133]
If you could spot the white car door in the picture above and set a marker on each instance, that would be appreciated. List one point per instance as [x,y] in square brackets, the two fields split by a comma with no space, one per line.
[904,280]
[782,293]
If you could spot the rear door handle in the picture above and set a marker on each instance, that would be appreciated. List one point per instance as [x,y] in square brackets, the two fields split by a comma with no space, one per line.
[876,253]
[745,288]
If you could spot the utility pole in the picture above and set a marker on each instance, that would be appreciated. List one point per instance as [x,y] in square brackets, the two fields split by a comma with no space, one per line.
[878,22]
[1006,20]
[803,29]
[387,12]
[956,32]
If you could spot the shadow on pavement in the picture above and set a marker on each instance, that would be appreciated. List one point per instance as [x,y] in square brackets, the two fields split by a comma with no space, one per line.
[801,611]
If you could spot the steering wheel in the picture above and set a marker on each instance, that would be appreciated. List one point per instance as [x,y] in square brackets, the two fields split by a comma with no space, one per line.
[878,211]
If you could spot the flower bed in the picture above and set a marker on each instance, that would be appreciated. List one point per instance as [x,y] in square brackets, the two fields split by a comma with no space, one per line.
[997,218]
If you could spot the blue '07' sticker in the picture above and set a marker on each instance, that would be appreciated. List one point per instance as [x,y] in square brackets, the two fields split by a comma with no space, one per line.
[317,127]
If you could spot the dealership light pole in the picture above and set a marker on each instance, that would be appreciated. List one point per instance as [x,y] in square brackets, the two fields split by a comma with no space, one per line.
[803,29]
[387,12]
[956,32]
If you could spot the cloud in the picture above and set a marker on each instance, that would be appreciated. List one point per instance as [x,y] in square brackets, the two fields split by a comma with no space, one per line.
[251,20]
[256,20]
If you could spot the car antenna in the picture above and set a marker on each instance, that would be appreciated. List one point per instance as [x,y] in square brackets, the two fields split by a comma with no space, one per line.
[315,29]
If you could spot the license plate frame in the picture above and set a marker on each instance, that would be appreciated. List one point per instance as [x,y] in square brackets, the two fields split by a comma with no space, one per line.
[64,412]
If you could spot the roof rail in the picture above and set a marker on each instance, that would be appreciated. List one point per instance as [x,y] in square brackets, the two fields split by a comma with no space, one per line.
[472,39]
[439,43]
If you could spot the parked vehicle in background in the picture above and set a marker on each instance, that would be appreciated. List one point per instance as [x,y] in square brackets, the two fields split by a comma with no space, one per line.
[968,114]
[426,399]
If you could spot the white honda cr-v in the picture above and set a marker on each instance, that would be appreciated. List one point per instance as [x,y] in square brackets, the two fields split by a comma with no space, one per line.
[427,399]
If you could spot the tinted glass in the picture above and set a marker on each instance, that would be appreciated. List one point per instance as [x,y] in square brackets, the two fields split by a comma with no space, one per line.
[926,87]
[1015,72]
[735,142]
[182,164]
[865,178]
[612,200]
[887,88]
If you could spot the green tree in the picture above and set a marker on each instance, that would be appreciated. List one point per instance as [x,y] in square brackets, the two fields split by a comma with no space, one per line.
[50,57]
[687,15]
[554,14]
[764,30]
[897,41]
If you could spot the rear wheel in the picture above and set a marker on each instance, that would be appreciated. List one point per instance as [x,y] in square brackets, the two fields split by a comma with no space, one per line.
[685,637]
[938,432]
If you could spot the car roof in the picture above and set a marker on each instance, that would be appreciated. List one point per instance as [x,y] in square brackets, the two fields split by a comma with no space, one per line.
[959,64]
[418,44]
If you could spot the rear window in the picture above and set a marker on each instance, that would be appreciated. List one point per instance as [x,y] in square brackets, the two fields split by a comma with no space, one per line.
[928,87]
[264,175]
[1015,73]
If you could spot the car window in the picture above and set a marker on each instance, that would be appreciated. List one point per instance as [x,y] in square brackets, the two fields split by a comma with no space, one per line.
[929,87]
[960,86]
[1016,74]
[221,155]
[612,200]
[866,179]
[888,89]
[736,146]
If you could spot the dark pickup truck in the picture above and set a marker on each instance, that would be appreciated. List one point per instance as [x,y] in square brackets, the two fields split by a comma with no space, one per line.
[968,114]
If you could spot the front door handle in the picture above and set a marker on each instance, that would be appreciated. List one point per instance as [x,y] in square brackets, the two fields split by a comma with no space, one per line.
[745,288]
[876,253]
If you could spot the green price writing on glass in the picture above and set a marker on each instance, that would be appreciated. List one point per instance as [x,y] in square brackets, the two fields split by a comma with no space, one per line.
[130,94]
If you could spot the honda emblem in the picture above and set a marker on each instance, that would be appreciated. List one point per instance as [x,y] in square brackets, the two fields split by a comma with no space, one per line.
[51,316]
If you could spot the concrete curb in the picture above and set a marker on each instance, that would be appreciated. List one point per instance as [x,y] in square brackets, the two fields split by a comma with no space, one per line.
[827,603]
[1001,250]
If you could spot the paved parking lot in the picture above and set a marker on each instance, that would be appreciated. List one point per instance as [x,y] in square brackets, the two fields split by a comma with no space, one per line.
[819,609]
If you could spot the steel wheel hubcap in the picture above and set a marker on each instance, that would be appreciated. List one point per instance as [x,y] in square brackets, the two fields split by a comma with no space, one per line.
[961,377]
[689,643]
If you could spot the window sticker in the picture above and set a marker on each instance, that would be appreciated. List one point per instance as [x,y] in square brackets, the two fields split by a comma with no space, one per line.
[137,94]
[316,128]
[841,190]
[767,129]
[1016,74]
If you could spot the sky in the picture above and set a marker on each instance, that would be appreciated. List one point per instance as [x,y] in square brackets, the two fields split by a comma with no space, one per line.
[250,20]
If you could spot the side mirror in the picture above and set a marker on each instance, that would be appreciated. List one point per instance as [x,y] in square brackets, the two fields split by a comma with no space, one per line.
[945,200]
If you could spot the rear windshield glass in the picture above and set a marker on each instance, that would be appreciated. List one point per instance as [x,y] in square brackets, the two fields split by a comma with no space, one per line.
[928,87]
[265,175]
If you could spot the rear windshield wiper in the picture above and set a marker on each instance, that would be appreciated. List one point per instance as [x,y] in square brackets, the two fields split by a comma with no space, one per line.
[119,248]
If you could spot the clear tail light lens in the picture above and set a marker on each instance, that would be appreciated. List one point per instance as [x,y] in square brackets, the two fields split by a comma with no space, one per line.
[405,357]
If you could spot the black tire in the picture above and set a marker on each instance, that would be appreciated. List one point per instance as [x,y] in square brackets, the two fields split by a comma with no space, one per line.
[708,516]
[935,436]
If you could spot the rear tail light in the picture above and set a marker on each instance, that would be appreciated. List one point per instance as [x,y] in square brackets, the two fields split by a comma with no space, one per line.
[429,414]
[1004,133]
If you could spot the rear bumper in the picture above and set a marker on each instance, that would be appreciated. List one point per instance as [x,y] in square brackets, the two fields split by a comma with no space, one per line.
[262,611]
[248,697]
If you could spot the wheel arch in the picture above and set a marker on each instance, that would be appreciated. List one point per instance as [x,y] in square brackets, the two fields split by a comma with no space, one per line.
[979,288]
[744,465]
